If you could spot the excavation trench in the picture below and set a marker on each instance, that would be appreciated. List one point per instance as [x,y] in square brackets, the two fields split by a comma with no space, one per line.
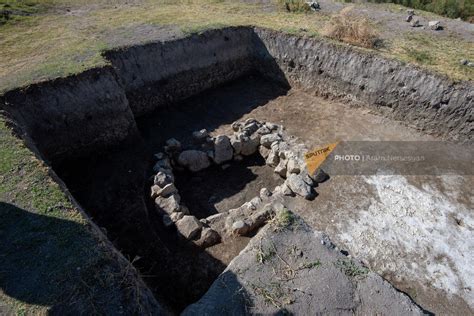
[109,122]
[115,190]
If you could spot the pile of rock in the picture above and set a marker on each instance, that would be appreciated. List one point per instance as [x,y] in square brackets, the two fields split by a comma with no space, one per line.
[249,137]
[415,22]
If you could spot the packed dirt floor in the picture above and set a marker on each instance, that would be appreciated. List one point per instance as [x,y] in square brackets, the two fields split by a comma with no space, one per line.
[416,231]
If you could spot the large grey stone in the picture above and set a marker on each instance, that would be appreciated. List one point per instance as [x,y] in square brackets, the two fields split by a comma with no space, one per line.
[250,145]
[209,237]
[169,204]
[272,159]
[189,226]
[223,150]
[267,140]
[194,160]
[434,25]
[299,186]
[236,143]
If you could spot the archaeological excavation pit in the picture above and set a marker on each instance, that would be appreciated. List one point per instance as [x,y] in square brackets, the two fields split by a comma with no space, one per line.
[115,130]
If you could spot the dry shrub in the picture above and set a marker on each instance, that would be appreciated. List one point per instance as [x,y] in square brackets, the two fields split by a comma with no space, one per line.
[294,5]
[352,29]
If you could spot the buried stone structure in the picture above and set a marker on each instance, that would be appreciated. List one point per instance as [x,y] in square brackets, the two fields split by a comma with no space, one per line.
[250,137]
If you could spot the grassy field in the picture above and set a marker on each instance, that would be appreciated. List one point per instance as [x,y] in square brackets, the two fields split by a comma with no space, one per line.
[47,237]
[65,37]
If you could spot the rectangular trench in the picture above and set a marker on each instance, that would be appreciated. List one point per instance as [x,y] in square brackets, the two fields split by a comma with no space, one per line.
[107,124]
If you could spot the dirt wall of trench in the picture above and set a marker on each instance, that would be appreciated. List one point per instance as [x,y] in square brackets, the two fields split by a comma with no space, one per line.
[419,98]
[161,73]
[77,115]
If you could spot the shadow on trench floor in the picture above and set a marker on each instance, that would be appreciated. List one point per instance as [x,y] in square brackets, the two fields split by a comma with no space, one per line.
[114,190]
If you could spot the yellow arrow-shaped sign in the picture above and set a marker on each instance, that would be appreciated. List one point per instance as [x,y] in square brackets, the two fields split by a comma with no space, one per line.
[316,157]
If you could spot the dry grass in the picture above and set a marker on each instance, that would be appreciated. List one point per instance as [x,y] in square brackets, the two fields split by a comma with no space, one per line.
[351,29]
[294,5]
[69,37]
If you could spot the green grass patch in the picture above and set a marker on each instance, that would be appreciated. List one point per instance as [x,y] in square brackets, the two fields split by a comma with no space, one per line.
[311,265]
[419,56]
[350,268]
[283,219]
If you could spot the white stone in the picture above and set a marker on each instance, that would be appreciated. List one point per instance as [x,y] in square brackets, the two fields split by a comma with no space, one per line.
[162,164]
[166,191]
[271,126]
[240,227]
[434,25]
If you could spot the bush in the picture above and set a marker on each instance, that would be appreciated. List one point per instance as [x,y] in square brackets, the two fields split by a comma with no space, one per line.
[351,29]
[294,5]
